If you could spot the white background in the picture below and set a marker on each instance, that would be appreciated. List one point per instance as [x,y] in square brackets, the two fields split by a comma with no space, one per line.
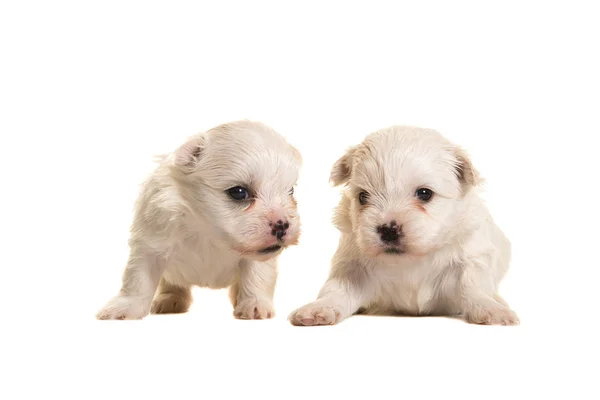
[89,91]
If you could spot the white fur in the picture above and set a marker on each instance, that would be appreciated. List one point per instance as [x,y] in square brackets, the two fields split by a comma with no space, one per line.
[453,255]
[188,231]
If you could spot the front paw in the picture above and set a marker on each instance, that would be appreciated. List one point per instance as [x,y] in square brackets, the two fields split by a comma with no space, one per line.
[315,314]
[124,307]
[254,308]
[497,314]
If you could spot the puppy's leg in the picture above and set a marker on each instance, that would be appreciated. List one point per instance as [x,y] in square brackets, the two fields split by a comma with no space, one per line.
[140,280]
[500,300]
[338,299]
[171,299]
[481,303]
[252,293]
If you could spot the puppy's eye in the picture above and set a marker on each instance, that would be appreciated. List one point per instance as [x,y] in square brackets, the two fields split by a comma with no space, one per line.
[363,197]
[424,194]
[238,193]
[292,191]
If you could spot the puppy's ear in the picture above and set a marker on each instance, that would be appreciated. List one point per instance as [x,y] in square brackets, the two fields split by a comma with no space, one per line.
[186,156]
[341,170]
[297,154]
[466,173]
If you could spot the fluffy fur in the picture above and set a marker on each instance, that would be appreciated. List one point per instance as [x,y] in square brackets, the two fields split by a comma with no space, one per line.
[449,257]
[188,231]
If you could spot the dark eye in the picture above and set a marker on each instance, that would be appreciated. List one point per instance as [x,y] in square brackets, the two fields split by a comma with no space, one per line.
[292,191]
[238,193]
[424,194]
[363,197]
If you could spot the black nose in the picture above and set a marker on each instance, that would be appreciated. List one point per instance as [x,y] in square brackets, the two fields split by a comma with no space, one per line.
[390,234]
[279,228]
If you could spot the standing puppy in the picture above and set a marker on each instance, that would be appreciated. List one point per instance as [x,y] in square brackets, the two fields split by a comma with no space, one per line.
[415,237]
[215,213]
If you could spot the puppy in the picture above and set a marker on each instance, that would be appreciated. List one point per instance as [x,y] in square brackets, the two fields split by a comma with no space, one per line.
[415,237]
[215,213]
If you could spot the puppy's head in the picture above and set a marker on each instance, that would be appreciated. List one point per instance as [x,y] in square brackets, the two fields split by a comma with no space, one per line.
[405,188]
[240,177]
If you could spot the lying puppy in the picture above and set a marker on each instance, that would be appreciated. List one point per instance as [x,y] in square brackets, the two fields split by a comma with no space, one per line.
[415,237]
[215,213]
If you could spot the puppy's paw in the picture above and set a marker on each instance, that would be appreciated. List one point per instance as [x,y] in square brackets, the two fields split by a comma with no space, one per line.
[124,307]
[315,314]
[497,314]
[254,308]
[169,303]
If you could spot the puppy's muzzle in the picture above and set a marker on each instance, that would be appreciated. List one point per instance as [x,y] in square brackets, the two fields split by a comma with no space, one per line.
[390,235]
[271,249]
[279,229]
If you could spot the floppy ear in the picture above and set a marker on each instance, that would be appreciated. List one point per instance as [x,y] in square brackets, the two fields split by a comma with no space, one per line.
[186,157]
[466,173]
[297,154]
[341,170]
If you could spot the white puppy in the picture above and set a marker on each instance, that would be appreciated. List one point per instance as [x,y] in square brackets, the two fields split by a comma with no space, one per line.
[415,237]
[215,213]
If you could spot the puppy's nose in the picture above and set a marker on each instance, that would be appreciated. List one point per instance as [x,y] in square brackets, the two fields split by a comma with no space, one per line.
[390,234]
[279,228]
